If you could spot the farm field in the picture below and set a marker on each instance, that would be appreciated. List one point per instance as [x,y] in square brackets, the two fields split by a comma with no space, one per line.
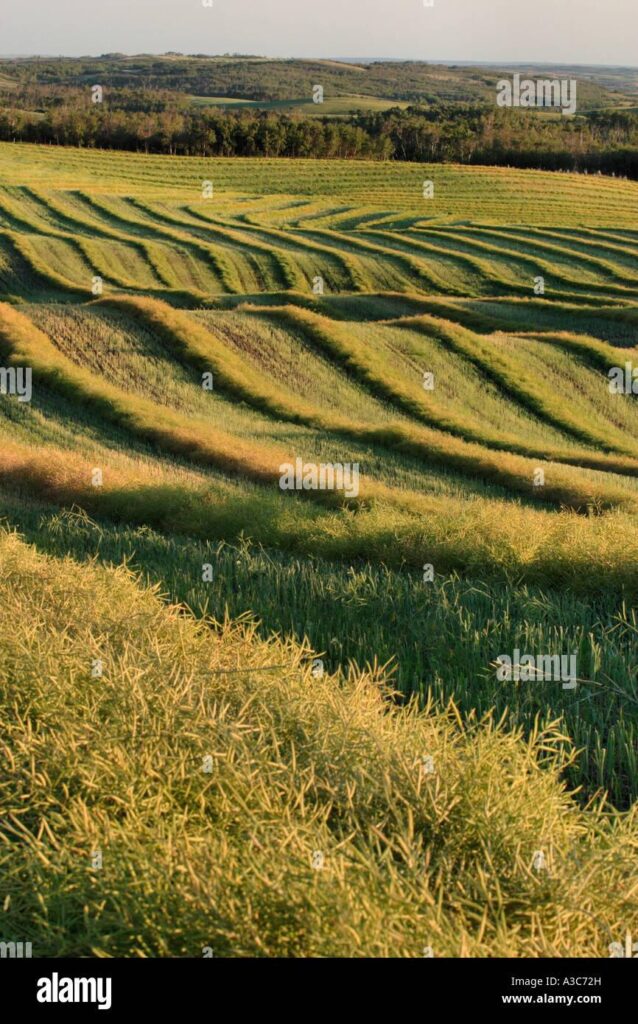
[350,103]
[450,330]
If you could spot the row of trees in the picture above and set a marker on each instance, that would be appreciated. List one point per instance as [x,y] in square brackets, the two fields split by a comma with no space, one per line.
[604,141]
[195,134]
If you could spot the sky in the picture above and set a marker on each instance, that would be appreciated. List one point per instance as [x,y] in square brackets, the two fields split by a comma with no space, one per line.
[552,31]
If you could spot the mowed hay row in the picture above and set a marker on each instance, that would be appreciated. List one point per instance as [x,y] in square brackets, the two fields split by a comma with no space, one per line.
[190,436]
[471,275]
[258,263]
[613,327]
[340,270]
[391,268]
[26,344]
[492,194]
[566,266]
[121,260]
[382,371]
[121,263]
[615,263]
[207,352]
[518,267]
[325,765]
[17,214]
[553,398]
[18,277]
[195,265]
[489,539]
[171,431]
[620,248]
[176,268]
[276,268]
[128,261]
[244,258]
[238,269]
[42,254]
[285,359]
[605,400]
[253,268]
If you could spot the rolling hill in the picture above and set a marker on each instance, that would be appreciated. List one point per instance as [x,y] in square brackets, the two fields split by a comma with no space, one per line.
[455,343]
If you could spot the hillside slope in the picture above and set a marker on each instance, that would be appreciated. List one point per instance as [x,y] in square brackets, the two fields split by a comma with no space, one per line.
[343,318]
[206,790]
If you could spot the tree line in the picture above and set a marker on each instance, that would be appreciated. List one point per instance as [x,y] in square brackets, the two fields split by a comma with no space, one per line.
[603,141]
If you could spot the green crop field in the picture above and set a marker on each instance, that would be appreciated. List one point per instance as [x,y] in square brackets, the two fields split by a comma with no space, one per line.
[336,106]
[192,326]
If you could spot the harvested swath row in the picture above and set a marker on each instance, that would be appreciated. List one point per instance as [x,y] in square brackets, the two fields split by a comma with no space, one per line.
[206,352]
[212,273]
[348,262]
[397,248]
[494,193]
[158,254]
[506,282]
[325,764]
[489,539]
[410,266]
[625,242]
[502,283]
[558,282]
[24,343]
[516,478]
[487,271]
[598,353]
[18,277]
[499,313]
[287,273]
[527,243]
[274,207]
[292,215]
[196,439]
[350,218]
[612,327]
[103,262]
[107,270]
[203,444]
[163,281]
[14,215]
[511,375]
[333,337]
[586,242]
[534,265]
[89,251]
[223,267]
[39,226]
[59,219]
[23,247]
[469,273]
[246,261]
[484,314]
[38,233]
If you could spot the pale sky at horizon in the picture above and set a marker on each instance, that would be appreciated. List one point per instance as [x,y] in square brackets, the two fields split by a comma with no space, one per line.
[553,31]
